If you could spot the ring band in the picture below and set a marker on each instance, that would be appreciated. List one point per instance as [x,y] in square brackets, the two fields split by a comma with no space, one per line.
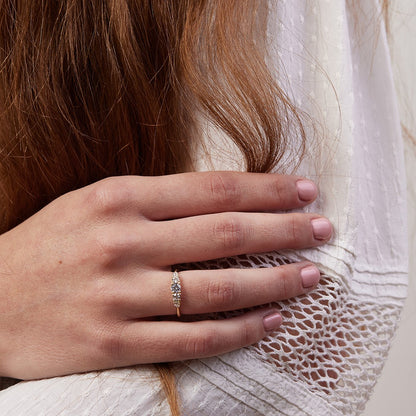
[175,288]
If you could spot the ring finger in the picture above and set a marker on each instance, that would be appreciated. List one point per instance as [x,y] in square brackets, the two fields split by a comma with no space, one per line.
[205,291]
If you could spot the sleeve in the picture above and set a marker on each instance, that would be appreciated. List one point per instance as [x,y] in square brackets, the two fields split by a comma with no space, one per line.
[394,392]
[126,391]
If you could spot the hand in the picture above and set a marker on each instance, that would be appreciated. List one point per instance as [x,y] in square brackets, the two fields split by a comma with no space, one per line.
[83,280]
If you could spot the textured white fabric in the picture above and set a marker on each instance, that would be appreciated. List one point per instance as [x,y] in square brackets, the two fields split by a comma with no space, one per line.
[325,359]
[395,389]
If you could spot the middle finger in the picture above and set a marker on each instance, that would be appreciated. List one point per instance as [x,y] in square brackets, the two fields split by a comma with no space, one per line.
[213,236]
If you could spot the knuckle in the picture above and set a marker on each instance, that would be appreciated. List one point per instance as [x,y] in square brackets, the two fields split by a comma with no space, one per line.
[277,190]
[111,245]
[221,294]
[229,232]
[110,299]
[110,343]
[296,230]
[285,282]
[106,247]
[109,195]
[201,344]
[283,192]
[223,189]
[247,334]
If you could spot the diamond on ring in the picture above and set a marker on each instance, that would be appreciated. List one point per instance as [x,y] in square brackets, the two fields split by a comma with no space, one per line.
[175,288]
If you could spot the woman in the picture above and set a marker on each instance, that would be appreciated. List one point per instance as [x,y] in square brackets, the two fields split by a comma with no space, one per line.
[90,85]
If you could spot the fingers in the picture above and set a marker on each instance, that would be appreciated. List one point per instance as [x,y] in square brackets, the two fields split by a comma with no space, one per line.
[183,195]
[205,291]
[156,341]
[227,234]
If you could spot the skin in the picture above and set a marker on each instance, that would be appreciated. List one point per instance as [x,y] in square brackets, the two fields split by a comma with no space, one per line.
[85,282]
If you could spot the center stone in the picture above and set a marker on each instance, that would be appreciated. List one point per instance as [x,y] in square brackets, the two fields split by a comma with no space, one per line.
[176,287]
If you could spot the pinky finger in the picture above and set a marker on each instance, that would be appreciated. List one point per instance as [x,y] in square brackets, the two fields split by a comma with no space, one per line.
[161,341]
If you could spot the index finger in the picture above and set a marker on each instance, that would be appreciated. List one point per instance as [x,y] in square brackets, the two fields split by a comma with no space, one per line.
[197,193]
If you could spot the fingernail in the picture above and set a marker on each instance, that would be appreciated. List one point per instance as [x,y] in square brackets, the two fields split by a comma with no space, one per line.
[272,321]
[310,276]
[322,228]
[307,190]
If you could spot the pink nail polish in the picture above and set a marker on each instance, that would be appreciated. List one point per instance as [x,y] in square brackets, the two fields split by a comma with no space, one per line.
[310,276]
[322,228]
[272,321]
[307,190]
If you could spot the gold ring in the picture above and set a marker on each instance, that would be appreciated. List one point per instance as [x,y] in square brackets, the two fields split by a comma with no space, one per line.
[175,288]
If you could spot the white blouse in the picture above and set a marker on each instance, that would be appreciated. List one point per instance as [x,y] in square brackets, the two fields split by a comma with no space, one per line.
[334,64]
